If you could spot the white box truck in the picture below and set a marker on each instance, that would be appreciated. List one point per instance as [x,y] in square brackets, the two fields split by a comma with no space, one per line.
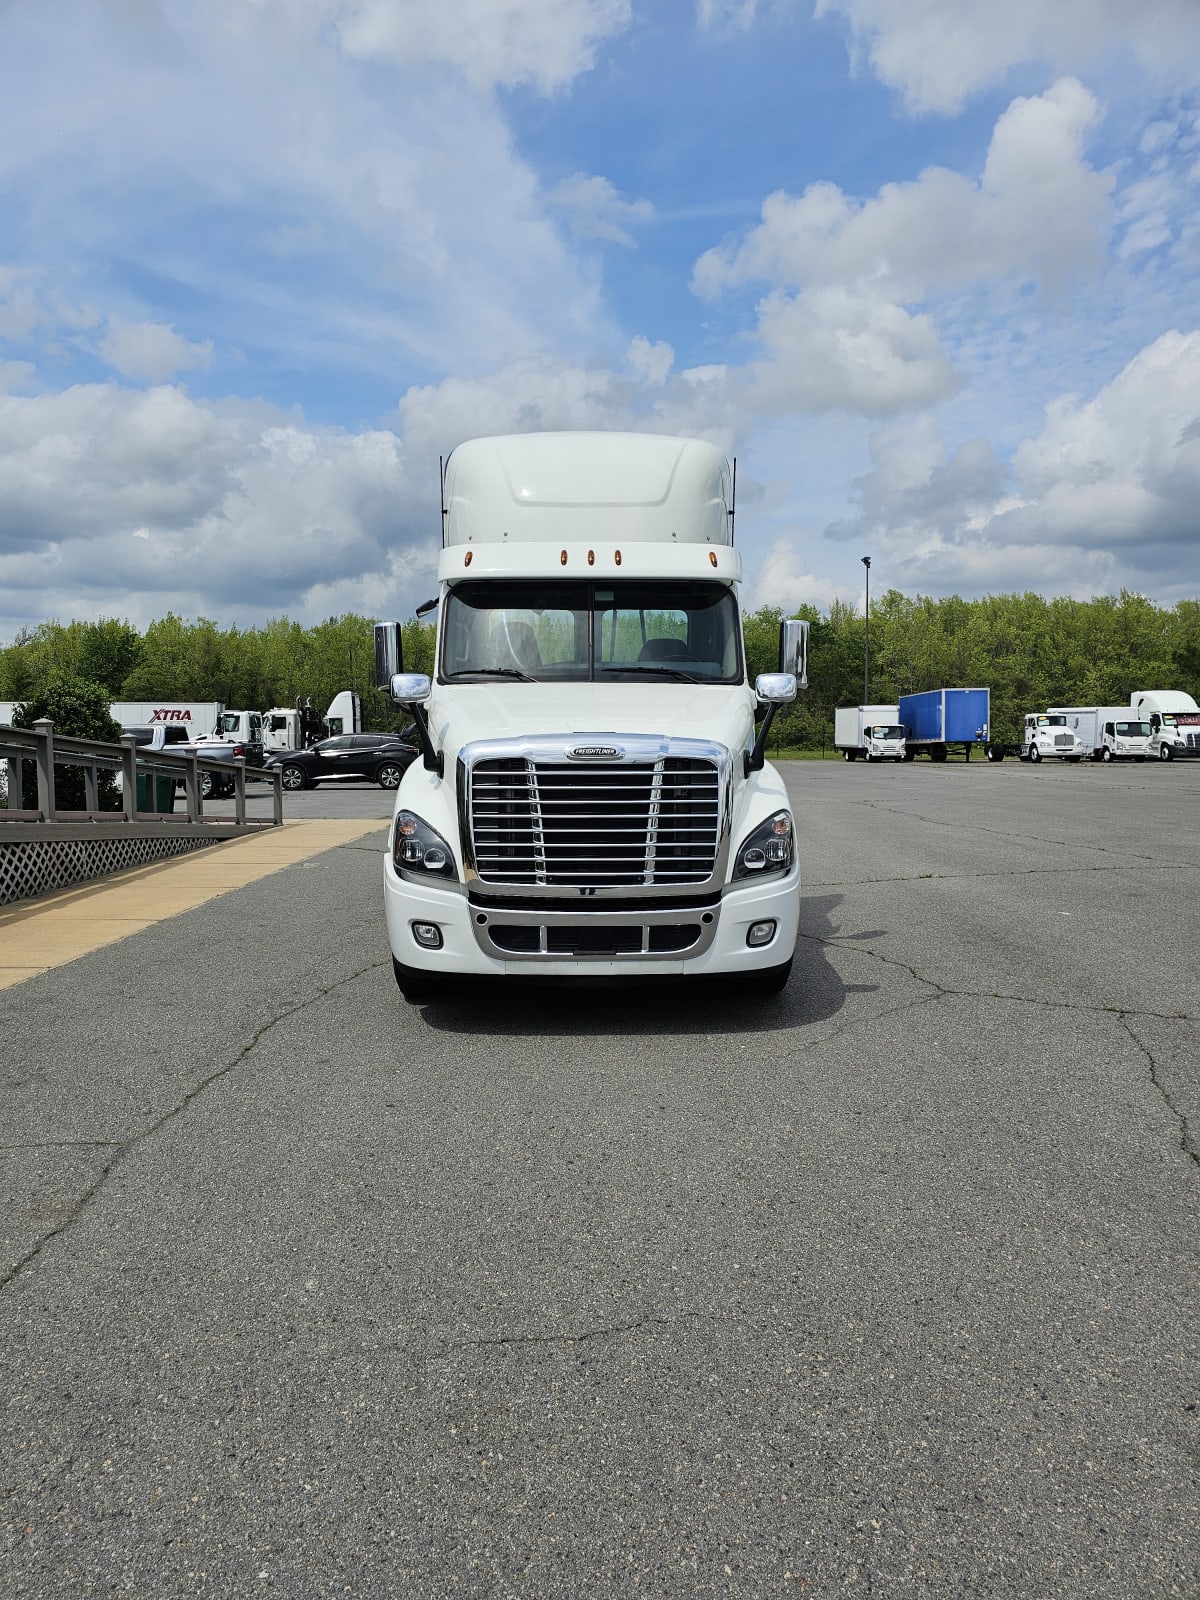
[872,732]
[593,798]
[1108,733]
[1174,720]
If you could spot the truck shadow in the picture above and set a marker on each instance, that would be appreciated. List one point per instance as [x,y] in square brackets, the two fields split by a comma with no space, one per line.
[615,1008]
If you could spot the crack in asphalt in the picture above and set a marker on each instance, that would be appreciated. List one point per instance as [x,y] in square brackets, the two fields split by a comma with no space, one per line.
[1122,1014]
[126,1148]
[1186,1142]
[1040,1001]
[65,1144]
[565,1338]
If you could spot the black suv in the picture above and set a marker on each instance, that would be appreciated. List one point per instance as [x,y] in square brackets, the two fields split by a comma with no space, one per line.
[376,757]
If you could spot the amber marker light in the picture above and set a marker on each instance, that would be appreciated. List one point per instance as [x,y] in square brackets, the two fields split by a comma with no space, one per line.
[591,558]
[562,558]
[617,558]
[467,558]
[712,556]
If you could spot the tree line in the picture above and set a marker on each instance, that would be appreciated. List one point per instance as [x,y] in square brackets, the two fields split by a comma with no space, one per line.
[1029,651]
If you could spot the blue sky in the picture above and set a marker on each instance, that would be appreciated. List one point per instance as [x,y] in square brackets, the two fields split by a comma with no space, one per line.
[929,268]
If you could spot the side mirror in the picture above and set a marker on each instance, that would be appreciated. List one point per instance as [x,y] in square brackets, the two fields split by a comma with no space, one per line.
[389,653]
[410,688]
[793,650]
[776,688]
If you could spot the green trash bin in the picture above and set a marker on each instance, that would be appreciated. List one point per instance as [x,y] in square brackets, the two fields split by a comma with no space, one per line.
[164,792]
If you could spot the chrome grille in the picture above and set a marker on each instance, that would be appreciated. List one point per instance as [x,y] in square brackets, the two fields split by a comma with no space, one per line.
[1063,741]
[596,824]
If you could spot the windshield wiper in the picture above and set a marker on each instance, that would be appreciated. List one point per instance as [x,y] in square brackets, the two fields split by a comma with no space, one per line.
[657,672]
[471,675]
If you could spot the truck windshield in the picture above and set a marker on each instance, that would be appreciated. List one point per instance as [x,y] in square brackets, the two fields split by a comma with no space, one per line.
[1052,722]
[1132,730]
[887,730]
[543,632]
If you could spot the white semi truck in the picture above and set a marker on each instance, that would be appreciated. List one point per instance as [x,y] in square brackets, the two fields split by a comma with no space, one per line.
[1174,720]
[592,798]
[872,732]
[1108,733]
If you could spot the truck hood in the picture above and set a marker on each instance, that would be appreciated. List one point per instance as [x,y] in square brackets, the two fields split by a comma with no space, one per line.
[460,714]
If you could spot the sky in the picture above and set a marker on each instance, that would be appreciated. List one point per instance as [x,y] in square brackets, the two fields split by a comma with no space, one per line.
[930,269]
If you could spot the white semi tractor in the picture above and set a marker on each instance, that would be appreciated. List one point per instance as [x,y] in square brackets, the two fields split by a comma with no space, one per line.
[593,797]
[1174,720]
[872,732]
[1108,733]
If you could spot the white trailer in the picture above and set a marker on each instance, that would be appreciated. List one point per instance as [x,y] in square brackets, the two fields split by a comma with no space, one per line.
[872,732]
[199,717]
[1108,733]
[1174,720]
[593,798]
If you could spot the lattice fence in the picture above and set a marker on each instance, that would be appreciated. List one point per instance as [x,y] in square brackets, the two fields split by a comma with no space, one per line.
[34,867]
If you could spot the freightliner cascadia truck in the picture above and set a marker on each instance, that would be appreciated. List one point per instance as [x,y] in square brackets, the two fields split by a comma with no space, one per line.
[592,797]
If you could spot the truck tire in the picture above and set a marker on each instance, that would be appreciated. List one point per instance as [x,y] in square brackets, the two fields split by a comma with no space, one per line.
[1165,753]
[1035,755]
[294,778]
[847,755]
[866,755]
[416,986]
[1106,754]
[937,752]
[993,753]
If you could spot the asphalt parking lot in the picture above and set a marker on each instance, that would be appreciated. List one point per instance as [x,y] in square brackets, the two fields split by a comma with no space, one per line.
[885,1287]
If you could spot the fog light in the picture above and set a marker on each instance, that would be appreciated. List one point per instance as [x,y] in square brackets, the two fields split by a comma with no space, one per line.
[429,936]
[760,933]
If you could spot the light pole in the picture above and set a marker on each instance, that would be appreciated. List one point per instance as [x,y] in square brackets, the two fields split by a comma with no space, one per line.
[866,561]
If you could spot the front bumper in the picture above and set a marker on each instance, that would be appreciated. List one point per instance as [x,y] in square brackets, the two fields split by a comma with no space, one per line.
[470,947]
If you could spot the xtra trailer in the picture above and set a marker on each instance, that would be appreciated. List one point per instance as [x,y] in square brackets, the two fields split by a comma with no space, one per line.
[938,718]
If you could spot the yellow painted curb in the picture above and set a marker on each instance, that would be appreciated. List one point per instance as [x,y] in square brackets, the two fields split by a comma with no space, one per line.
[61,927]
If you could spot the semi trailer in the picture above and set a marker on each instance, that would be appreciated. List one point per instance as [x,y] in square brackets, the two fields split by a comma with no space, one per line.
[938,718]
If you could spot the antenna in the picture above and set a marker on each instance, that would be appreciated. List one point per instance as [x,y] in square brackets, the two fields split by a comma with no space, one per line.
[442,494]
[733,503]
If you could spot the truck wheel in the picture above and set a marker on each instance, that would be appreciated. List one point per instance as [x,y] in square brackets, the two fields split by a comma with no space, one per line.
[993,754]
[1074,760]
[293,778]
[1164,752]
[847,755]
[770,980]
[1106,754]
[389,775]
[416,986]
[866,755]
[1035,755]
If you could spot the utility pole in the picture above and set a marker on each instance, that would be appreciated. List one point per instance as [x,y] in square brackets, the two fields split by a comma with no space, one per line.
[866,561]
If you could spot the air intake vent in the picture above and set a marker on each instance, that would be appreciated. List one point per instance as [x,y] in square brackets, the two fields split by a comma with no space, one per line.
[596,824]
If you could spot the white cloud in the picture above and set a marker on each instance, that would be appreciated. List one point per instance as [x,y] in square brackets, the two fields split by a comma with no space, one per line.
[937,53]
[847,323]
[142,501]
[151,351]
[545,43]
[1038,210]
[1105,496]
[594,209]
[783,579]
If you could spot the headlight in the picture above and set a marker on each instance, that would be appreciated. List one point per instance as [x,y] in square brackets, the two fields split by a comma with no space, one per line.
[770,849]
[416,847]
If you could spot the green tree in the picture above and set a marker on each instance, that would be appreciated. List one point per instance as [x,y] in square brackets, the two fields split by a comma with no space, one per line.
[79,709]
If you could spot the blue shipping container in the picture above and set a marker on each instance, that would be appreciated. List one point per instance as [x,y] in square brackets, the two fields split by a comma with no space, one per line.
[946,716]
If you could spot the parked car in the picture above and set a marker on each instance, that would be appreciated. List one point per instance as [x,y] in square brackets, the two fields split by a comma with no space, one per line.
[375,757]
